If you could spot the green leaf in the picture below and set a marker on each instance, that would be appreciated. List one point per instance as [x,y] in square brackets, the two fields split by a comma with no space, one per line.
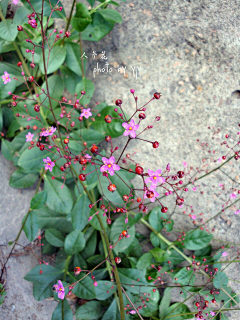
[6,149]
[48,274]
[8,30]
[122,188]
[223,316]
[165,302]
[118,226]
[105,289]
[206,251]
[4,5]
[95,223]
[91,2]
[88,135]
[112,312]
[110,15]
[10,86]
[33,159]
[63,311]
[55,84]
[91,245]
[58,199]
[158,254]
[22,180]
[70,78]
[56,59]
[220,280]
[31,226]
[154,239]
[80,212]
[114,129]
[42,291]
[197,239]
[88,86]
[156,218]
[84,289]
[151,306]
[184,276]
[97,29]
[73,57]
[178,308]
[131,277]
[74,242]
[90,311]
[55,237]
[20,16]
[39,200]
[82,18]
[145,261]
[48,219]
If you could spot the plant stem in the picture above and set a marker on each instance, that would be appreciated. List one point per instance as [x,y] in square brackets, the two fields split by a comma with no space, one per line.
[110,253]
[99,6]
[66,267]
[70,16]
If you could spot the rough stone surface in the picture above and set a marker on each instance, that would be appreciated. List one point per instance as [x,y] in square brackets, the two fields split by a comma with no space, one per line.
[189,51]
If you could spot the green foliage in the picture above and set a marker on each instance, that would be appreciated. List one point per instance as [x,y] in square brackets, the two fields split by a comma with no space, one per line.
[82,18]
[74,242]
[90,311]
[63,311]
[197,239]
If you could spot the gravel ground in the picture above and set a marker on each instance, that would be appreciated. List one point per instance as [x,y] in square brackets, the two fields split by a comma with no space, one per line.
[188,51]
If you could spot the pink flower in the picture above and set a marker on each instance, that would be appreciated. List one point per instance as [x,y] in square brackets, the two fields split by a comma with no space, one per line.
[109,165]
[15,2]
[185,164]
[48,164]
[194,188]
[156,194]
[29,136]
[224,254]
[6,77]
[32,23]
[86,113]
[220,160]
[193,217]
[88,157]
[237,212]
[48,132]
[232,196]
[155,177]
[132,311]
[59,288]
[212,313]
[130,127]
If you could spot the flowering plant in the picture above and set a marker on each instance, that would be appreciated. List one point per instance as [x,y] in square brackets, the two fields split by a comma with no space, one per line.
[86,211]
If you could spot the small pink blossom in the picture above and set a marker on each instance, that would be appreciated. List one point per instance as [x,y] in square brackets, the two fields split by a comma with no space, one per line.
[33,23]
[15,2]
[130,127]
[185,164]
[237,212]
[95,283]
[233,196]
[220,160]
[224,254]
[48,132]
[212,313]
[29,137]
[126,220]
[194,188]
[132,311]
[109,165]
[154,178]
[6,77]
[48,163]
[193,217]
[86,113]
[59,288]
[156,194]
